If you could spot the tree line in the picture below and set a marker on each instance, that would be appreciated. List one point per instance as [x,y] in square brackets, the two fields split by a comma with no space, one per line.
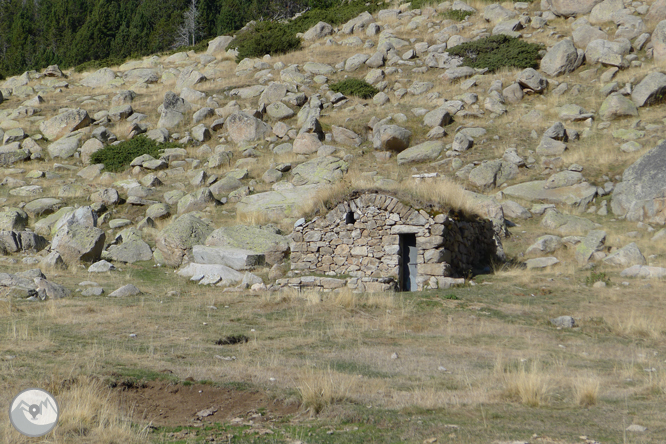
[38,33]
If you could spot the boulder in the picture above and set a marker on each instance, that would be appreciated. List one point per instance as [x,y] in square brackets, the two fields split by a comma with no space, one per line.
[579,195]
[99,78]
[224,186]
[593,242]
[43,206]
[550,147]
[615,106]
[492,173]
[265,240]
[212,273]
[129,247]
[495,13]
[514,210]
[659,42]
[570,8]
[584,34]
[644,272]
[566,224]
[657,11]
[218,46]
[196,201]
[530,78]
[346,136]
[563,179]
[545,245]
[541,262]
[424,152]
[607,53]
[318,31]
[650,90]
[640,195]
[279,111]
[603,12]
[65,147]
[322,170]
[355,62]
[627,256]
[50,290]
[318,68]
[64,123]
[276,205]
[175,242]
[391,138]
[13,219]
[78,243]
[124,291]
[243,127]
[236,258]
[562,58]
[101,267]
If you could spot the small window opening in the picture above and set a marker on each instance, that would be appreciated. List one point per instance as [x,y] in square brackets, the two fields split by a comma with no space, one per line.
[349,217]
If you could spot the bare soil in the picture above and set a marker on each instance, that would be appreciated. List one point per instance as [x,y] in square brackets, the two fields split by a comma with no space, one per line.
[168,404]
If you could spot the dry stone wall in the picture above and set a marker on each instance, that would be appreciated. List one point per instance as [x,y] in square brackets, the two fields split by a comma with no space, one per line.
[361,238]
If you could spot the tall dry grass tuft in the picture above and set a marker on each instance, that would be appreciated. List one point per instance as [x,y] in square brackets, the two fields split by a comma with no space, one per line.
[634,323]
[88,413]
[320,389]
[586,391]
[527,383]
[441,191]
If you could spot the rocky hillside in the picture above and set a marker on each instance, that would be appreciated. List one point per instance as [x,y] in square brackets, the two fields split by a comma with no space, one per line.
[569,156]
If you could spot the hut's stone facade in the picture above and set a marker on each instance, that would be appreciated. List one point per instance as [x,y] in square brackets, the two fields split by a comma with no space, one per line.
[375,236]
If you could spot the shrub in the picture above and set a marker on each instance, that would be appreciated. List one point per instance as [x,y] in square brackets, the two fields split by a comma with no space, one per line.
[498,51]
[118,157]
[456,15]
[265,38]
[356,88]
[280,37]
[597,277]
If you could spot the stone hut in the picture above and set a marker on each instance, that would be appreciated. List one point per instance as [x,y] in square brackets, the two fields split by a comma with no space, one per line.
[375,238]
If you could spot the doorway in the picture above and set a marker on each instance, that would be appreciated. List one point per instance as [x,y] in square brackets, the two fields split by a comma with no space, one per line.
[408,256]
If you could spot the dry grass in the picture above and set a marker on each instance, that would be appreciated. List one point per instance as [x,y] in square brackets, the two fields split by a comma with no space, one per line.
[527,383]
[319,389]
[637,323]
[586,391]
[87,414]
[441,192]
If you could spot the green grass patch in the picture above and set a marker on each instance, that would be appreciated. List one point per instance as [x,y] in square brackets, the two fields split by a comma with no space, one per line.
[456,15]
[597,277]
[355,87]
[118,157]
[498,51]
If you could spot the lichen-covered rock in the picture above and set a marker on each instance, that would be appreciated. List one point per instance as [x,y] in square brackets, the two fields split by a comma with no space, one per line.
[391,138]
[615,106]
[78,243]
[562,58]
[639,197]
[424,152]
[327,169]
[64,123]
[175,242]
[243,127]
[129,247]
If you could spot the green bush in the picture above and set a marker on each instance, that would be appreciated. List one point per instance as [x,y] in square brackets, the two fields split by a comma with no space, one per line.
[498,51]
[597,277]
[456,15]
[118,157]
[265,38]
[356,88]
[280,37]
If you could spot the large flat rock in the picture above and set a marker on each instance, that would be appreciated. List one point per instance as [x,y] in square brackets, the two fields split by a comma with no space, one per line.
[276,205]
[578,195]
[236,258]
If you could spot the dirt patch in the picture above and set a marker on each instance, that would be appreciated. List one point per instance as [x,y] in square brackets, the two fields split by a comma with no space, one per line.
[167,404]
